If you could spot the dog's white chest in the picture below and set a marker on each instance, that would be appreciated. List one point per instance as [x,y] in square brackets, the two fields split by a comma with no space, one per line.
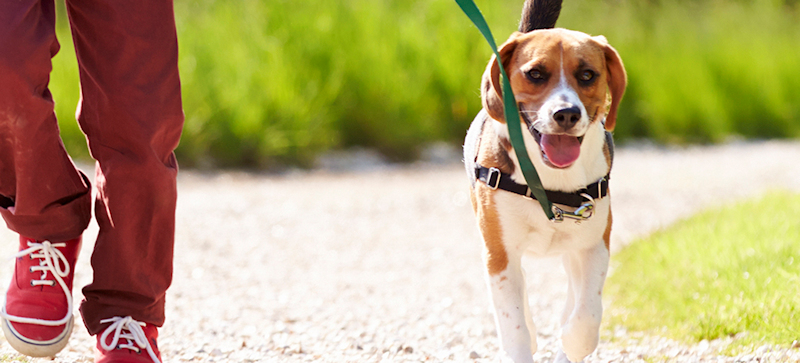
[523,220]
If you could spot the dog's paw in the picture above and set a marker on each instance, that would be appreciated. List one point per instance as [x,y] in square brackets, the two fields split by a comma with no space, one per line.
[534,345]
[518,358]
[561,357]
[579,340]
[506,358]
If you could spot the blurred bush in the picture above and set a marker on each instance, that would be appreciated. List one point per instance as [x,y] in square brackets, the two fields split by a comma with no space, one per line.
[703,71]
[277,82]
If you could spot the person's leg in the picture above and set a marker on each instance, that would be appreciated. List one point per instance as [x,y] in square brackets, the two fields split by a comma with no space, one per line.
[131,113]
[42,196]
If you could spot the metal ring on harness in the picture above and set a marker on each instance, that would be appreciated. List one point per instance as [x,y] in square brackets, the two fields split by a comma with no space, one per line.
[584,212]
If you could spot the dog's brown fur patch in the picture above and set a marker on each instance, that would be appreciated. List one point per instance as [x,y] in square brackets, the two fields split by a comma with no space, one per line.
[607,233]
[496,257]
[493,151]
[607,155]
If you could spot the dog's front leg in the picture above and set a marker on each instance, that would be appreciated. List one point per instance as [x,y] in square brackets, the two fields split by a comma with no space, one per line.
[580,332]
[505,278]
[512,317]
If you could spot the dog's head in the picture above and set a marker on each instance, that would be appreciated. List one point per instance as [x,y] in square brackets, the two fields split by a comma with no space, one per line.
[562,81]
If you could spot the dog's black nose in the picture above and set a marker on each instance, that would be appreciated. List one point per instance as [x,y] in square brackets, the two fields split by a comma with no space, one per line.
[567,117]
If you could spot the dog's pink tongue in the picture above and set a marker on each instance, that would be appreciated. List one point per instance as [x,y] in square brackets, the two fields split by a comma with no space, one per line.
[561,150]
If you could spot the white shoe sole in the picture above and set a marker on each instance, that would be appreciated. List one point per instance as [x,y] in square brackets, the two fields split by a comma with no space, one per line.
[36,348]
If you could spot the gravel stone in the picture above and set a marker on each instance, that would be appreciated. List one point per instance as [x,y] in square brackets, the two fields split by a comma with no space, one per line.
[381,263]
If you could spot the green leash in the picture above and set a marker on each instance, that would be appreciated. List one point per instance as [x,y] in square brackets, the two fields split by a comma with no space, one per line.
[511,113]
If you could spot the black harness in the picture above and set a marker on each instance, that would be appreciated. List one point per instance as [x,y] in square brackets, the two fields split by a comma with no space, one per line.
[496,179]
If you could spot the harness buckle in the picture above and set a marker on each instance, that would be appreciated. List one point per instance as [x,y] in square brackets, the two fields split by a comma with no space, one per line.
[584,212]
[600,187]
[493,173]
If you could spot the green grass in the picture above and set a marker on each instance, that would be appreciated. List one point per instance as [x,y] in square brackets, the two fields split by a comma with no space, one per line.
[278,82]
[283,82]
[726,271]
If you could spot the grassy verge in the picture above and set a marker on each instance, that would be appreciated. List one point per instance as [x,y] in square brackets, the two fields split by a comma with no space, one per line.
[725,271]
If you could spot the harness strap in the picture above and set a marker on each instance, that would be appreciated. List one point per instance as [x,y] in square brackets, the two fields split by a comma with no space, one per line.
[496,179]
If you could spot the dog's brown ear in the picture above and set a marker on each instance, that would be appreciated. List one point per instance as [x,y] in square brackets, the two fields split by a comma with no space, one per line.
[491,90]
[617,80]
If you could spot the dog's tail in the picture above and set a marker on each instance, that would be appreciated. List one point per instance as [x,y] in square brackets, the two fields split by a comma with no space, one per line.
[539,14]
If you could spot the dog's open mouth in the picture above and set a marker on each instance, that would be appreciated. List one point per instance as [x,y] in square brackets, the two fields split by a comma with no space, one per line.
[558,150]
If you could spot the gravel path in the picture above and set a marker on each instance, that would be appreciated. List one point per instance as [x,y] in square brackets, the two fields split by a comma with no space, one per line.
[383,264]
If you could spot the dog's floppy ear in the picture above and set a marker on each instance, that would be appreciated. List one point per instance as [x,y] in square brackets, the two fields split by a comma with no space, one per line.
[491,90]
[617,80]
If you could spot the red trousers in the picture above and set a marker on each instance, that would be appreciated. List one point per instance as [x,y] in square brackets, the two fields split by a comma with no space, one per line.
[130,111]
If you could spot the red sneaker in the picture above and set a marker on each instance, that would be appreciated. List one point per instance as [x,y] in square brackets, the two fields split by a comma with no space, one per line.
[37,314]
[139,345]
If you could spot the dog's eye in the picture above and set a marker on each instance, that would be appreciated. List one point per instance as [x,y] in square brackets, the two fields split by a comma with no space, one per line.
[587,76]
[537,76]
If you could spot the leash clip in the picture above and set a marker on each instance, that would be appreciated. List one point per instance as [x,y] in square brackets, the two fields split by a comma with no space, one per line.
[584,212]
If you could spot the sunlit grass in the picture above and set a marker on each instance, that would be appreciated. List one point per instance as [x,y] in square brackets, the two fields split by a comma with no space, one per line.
[729,270]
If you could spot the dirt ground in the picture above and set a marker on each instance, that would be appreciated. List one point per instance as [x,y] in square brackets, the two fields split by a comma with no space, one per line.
[368,262]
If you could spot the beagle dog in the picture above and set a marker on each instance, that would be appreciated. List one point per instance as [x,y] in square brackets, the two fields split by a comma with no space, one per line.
[568,86]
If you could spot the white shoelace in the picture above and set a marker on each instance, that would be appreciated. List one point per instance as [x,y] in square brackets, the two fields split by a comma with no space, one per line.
[54,263]
[129,329]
